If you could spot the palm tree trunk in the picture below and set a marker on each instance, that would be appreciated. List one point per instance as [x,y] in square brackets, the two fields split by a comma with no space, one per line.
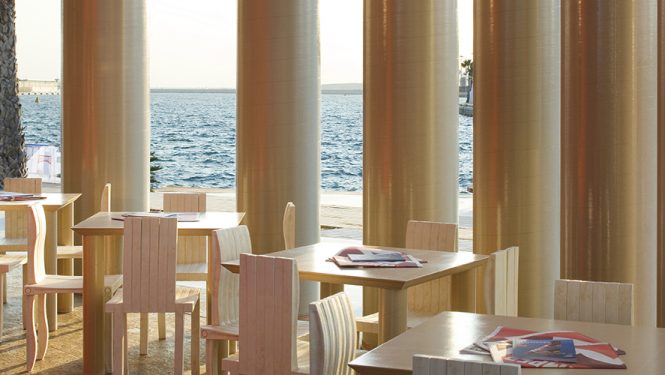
[12,139]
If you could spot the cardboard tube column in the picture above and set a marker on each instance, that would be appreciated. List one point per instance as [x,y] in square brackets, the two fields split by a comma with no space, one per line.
[661,166]
[105,104]
[410,165]
[278,147]
[516,175]
[609,146]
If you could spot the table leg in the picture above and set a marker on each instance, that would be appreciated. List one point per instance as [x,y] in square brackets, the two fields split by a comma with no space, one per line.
[328,289]
[464,291]
[93,305]
[392,313]
[65,266]
[51,265]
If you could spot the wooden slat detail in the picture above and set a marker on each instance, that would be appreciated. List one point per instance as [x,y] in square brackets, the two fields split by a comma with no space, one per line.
[289,226]
[190,249]
[593,301]
[432,296]
[332,335]
[15,221]
[105,200]
[431,365]
[502,282]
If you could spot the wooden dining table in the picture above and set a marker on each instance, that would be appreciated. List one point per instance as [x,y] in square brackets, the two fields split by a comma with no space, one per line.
[59,213]
[448,332]
[392,282]
[93,230]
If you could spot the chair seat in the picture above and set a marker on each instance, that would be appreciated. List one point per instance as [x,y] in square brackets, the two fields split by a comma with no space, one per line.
[231,363]
[191,272]
[11,261]
[13,244]
[185,300]
[370,323]
[70,284]
[230,331]
[70,252]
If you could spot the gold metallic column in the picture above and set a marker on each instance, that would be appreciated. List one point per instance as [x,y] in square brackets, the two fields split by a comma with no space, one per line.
[609,146]
[516,175]
[105,103]
[661,166]
[278,146]
[410,147]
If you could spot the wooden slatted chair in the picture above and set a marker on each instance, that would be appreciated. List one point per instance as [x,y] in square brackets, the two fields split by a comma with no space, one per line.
[289,226]
[501,282]
[332,335]
[8,263]
[432,365]
[428,298]
[269,293]
[149,285]
[593,301]
[39,284]
[15,227]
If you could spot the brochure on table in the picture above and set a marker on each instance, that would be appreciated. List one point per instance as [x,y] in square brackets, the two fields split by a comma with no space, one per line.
[358,256]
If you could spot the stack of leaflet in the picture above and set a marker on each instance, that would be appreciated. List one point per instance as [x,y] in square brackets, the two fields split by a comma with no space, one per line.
[355,256]
[13,196]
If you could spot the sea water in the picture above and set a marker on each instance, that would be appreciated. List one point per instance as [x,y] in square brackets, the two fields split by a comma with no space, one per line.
[193,138]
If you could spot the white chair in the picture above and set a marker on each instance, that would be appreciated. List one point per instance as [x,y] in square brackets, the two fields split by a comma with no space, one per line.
[593,301]
[39,284]
[432,365]
[332,335]
[149,285]
[501,282]
[269,292]
[8,263]
[289,226]
[428,298]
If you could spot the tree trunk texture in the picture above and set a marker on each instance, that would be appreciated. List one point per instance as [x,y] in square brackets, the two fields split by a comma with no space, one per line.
[12,139]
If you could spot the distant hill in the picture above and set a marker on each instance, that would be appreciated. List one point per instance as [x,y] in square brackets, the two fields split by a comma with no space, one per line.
[333,88]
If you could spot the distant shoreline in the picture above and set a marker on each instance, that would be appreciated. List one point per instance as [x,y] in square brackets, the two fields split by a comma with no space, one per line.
[233,91]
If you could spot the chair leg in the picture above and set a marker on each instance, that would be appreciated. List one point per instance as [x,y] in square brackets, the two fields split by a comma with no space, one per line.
[211,359]
[119,342]
[179,338]
[2,308]
[161,325]
[42,329]
[143,331]
[196,334]
[124,322]
[108,344]
[4,287]
[25,281]
[30,334]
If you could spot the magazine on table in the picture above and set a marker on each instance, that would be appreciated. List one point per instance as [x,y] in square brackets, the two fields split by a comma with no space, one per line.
[589,352]
[181,216]
[559,350]
[358,256]
[13,196]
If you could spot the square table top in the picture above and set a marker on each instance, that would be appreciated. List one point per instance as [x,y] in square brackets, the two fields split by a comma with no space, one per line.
[53,201]
[312,265]
[448,332]
[102,224]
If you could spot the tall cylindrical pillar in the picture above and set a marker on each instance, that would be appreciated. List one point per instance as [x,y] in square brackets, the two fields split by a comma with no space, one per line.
[278,147]
[609,146]
[410,147]
[105,103]
[516,141]
[661,166]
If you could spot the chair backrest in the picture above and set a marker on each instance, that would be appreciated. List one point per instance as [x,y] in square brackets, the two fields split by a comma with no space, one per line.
[501,282]
[105,201]
[15,220]
[227,244]
[289,226]
[36,220]
[593,301]
[149,264]
[191,249]
[269,292]
[332,335]
[432,365]
[432,296]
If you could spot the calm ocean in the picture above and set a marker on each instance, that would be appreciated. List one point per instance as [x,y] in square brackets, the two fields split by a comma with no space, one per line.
[193,136]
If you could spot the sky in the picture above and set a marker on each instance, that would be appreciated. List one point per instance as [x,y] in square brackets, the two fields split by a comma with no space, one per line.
[193,43]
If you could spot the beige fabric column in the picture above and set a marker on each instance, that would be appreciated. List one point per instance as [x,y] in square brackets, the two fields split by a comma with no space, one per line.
[516,141]
[609,146]
[278,147]
[105,103]
[410,165]
[661,166]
